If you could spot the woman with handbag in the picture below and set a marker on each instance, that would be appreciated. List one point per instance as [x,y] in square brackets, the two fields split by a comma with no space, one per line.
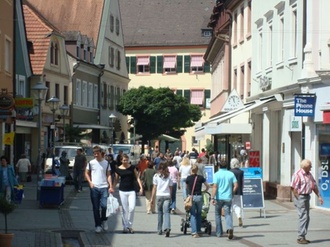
[128,175]
[162,188]
[194,184]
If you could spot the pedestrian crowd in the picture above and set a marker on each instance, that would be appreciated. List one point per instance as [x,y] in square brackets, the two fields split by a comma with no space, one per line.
[158,176]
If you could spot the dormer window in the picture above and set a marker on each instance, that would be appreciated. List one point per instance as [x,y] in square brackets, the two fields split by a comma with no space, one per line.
[54,51]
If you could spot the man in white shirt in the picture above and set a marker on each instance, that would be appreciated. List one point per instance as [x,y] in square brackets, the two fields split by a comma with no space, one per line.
[98,176]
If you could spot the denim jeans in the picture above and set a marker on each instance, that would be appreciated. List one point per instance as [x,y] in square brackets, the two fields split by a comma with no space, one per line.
[183,187]
[99,198]
[163,207]
[226,205]
[196,214]
[173,197]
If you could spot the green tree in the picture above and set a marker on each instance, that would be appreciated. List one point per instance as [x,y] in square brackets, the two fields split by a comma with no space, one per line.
[72,133]
[158,111]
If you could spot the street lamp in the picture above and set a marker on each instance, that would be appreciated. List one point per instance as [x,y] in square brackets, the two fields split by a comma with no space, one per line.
[39,92]
[112,118]
[53,107]
[64,111]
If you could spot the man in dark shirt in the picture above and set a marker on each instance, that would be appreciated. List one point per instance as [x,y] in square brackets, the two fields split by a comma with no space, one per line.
[80,163]
[237,198]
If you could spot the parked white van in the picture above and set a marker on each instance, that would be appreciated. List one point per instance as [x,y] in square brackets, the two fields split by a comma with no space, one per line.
[133,152]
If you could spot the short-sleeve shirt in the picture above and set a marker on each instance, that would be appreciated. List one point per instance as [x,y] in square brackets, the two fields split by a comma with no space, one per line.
[303,182]
[198,187]
[225,180]
[163,185]
[99,171]
[127,178]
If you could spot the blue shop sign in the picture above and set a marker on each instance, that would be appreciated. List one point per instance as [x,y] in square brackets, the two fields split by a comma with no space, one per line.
[304,105]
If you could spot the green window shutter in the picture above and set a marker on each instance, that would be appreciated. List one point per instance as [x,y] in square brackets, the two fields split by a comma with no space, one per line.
[133,65]
[179,92]
[160,64]
[179,64]
[207,95]
[187,95]
[186,64]
[207,67]
[152,64]
[127,64]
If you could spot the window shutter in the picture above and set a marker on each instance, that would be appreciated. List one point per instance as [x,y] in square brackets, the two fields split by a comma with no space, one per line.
[187,95]
[153,64]
[160,64]
[206,67]
[127,64]
[133,65]
[179,64]
[207,95]
[186,64]
[179,92]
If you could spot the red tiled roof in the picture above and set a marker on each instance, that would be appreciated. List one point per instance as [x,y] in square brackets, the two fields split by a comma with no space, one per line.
[37,32]
[72,15]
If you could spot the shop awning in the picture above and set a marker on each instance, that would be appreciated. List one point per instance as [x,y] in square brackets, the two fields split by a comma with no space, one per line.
[168,138]
[91,126]
[216,126]
[228,128]
[234,113]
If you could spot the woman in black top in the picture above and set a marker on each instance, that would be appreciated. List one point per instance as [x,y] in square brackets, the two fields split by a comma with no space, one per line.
[127,194]
[196,209]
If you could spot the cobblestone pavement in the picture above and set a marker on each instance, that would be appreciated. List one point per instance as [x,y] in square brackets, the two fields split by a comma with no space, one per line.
[36,226]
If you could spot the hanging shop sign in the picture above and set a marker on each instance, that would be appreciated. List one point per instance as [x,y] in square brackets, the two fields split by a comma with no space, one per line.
[7,102]
[304,105]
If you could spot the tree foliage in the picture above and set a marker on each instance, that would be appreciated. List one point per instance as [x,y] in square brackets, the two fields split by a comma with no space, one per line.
[158,111]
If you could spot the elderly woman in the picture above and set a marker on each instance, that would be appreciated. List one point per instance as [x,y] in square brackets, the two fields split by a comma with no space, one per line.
[194,184]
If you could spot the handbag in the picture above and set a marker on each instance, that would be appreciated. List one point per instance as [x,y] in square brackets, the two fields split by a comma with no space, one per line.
[189,200]
[112,205]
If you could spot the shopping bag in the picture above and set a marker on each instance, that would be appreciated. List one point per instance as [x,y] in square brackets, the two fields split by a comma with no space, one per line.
[112,205]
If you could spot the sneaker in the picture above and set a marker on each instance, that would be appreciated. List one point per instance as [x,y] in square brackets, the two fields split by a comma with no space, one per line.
[173,211]
[105,225]
[98,229]
[160,233]
[230,234]
[302,241]
[240,222]
[148,212]
[125,230]
[195,236]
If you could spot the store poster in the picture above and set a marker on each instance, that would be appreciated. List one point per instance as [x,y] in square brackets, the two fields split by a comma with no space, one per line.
[209,170]
[324,182]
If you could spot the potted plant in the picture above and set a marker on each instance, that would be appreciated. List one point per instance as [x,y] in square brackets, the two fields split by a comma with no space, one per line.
[6,208]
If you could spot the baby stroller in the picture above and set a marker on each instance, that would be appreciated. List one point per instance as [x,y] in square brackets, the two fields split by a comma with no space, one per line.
[185,223]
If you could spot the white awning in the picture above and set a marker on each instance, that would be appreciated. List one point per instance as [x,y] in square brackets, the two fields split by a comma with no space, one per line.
[238,111]
[91,126]
[215,125]
[228,128]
